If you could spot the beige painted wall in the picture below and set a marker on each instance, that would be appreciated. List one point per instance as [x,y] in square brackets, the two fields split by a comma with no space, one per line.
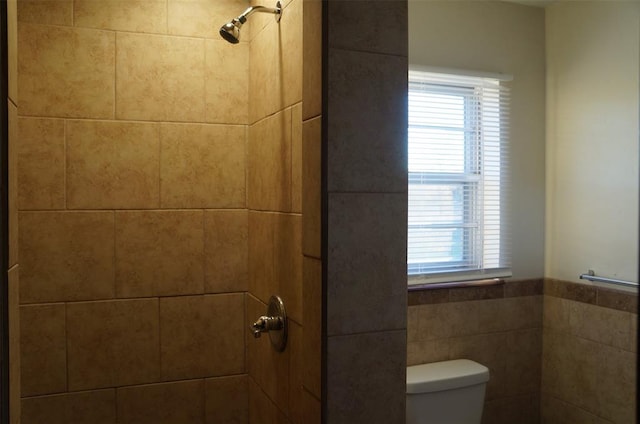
[505,38]
[592,139]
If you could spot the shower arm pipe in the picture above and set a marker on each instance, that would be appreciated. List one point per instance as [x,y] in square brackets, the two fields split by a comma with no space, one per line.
[252,9]
[591,276]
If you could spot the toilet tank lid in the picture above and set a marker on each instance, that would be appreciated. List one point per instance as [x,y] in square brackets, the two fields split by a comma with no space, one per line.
[445,375]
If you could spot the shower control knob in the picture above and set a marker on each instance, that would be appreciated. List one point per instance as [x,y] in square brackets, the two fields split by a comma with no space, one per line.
[274,323]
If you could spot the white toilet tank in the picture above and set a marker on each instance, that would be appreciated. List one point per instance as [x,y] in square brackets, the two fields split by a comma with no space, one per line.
[449,392]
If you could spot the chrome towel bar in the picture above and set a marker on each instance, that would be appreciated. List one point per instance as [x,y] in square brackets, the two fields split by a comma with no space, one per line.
[591,276]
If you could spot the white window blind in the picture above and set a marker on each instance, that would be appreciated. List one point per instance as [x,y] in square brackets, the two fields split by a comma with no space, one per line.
[458,178]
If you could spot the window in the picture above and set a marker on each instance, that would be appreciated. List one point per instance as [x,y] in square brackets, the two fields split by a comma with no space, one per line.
[458,174]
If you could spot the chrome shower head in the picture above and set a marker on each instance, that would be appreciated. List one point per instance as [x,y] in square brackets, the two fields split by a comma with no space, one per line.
[231,30]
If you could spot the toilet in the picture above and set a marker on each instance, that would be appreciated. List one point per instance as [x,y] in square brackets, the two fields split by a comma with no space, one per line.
[449,392]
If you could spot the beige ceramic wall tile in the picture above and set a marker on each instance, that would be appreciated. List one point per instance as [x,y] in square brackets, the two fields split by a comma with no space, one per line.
[275,259]
[227,400]
[269,163]
[312,59]
[12,195]
[41,163]
[570,368]
[312,409]
[261,408]
[226,251]
[113,343]
[312,321]
[556,313]
[485,349]
[49,12]
[66,72]
[43,349]
[227,82]
[426,351]
[95,407]
[202,336]
[112,165]
[122,15]
[356,394]
[15,389]
[523,353]
[167,403]
[616,389]
[203,166]
[274,379]
[203,18]
[296,371]
[159,253]
[311,187]
[556,411]
[262,280]
[12,49]
[275,54]
[296,158]
[66,256]
[160,78]
[288,263]
[602,325]
[523,409]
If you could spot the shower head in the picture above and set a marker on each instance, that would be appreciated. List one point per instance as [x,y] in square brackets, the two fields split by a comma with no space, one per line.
[231,30]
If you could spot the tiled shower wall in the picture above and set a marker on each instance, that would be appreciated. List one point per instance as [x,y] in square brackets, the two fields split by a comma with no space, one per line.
[281,385]
[137,196]
[13,289]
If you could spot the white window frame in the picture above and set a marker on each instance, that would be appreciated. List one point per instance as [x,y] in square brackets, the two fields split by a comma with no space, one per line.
[482,235]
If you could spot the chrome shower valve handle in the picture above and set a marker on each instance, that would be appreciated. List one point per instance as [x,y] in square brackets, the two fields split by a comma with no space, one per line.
[274,323]
[265,324]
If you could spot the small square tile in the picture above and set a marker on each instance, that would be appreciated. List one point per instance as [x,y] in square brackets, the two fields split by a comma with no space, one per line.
[112,343]
[203,166]
[43,349]
[112,165]
[167,403]
[159,253]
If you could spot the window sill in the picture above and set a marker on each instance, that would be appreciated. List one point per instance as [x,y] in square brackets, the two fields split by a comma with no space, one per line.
[471,283]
